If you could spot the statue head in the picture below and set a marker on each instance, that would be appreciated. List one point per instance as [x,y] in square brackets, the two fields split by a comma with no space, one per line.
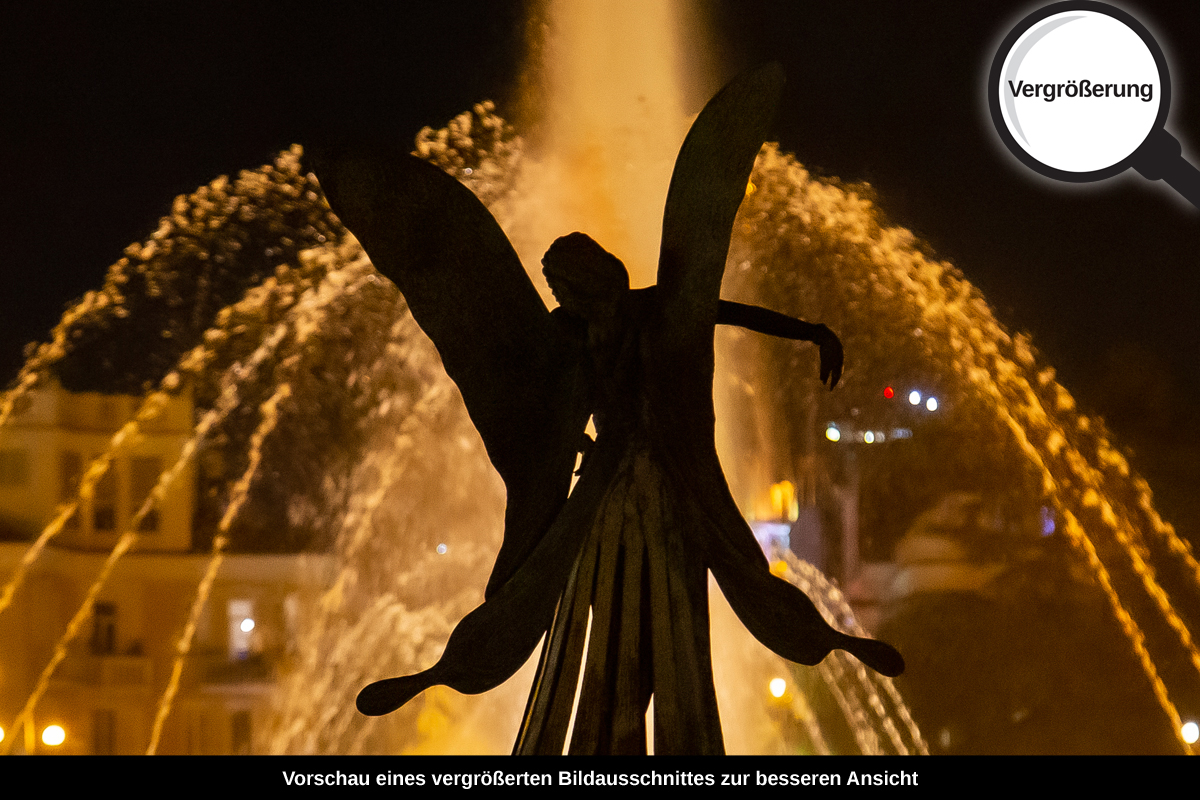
[586,279]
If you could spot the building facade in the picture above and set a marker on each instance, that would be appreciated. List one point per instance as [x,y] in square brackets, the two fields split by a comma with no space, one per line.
[105,693]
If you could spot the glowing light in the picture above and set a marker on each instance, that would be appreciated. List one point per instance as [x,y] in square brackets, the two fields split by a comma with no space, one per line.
[914,397]
[750,188]
[931,404]
[1190,732]
[441,548]
[778,687]
[1,734]
[247,625]
[833,434]
[1047,521]
[869,437]
[889,392]
[54,735]
[782,498]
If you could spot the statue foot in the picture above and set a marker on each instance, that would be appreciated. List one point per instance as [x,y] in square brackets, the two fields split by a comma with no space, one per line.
[879,656]
[384,697]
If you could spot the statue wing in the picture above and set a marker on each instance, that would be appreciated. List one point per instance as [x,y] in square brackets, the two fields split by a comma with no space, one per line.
[707,187]
[518,372]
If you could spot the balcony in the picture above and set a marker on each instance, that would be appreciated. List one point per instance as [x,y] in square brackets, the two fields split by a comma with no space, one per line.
[105,670]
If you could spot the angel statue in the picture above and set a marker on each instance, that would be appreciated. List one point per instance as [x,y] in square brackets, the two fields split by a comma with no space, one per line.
[651,514]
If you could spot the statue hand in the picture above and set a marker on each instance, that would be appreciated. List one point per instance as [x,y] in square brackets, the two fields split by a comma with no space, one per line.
[831,355]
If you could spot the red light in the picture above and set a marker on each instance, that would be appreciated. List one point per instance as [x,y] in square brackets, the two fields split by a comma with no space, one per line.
[888,393]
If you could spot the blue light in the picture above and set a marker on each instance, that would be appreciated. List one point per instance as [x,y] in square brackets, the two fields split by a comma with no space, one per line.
[1047,521]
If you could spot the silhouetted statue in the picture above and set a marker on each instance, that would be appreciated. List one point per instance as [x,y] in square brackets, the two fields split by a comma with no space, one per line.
[651,513]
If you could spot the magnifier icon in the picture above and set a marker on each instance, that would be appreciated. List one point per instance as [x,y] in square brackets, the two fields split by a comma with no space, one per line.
[1079,91]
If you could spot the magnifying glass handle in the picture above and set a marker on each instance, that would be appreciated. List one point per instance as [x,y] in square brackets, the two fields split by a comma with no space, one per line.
[1159,158]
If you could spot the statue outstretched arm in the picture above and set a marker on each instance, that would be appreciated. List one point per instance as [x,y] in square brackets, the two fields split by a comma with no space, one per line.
[773,323]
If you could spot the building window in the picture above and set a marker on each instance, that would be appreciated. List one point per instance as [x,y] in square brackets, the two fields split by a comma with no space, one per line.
[291,621]
[107,414]
[104,732]
[198,734]
[104,502]
[14,467]
[240,730]
[242,635]
[104,628]
[70,471]
[144,474]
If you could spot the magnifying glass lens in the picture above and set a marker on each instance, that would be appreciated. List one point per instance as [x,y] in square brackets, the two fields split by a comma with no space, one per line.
[1080,91]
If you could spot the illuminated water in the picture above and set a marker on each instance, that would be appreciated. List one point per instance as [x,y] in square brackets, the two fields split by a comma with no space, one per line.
[359,625]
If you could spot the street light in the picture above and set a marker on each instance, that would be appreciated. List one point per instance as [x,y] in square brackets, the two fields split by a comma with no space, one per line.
[53,735]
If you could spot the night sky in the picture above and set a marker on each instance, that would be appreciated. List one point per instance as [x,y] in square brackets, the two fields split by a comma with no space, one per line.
[110,110]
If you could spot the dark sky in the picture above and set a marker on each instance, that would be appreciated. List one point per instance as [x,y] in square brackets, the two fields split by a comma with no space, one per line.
[110,110]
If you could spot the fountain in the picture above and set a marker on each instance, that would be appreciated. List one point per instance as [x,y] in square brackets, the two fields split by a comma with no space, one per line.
[265,372]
